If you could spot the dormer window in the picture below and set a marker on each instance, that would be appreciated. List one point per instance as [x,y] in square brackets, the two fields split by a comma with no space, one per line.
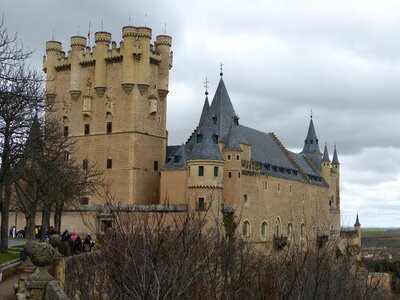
[306,142]
[199,138]
[215,138]
[177,158]
[311,141]
[236,120]
[214,119]
[316,141]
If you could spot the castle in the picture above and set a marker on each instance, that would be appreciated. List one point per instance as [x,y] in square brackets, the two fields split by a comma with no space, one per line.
[113,103]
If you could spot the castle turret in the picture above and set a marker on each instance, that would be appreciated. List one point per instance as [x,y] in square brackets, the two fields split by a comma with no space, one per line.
[129,33]
[164,43]
[232,169]
[53,52]
[311,142]
[143,74]
[326,165]
[102,40]
[78,44]
[205,165]
[357,227]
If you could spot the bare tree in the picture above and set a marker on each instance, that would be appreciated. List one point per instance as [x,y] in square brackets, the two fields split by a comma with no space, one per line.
[48,176]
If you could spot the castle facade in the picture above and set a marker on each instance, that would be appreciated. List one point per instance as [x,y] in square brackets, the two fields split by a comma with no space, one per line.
[113,101]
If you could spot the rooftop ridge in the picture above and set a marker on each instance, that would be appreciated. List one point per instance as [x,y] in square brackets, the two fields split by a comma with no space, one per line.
[287,154]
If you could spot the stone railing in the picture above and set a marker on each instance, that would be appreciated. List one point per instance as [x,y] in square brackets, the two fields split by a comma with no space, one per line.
[42,275]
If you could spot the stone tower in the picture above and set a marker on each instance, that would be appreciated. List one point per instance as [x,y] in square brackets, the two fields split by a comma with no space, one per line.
[113,103]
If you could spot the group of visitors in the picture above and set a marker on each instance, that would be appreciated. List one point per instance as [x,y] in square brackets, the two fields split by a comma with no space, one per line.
[73,244]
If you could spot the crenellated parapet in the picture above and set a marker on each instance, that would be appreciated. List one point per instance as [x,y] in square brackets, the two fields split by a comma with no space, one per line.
[143,64]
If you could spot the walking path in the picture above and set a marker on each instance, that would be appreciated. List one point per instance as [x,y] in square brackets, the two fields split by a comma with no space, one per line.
[7,288]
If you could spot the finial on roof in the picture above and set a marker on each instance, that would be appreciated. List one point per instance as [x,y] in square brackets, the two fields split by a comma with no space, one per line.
[311,114]
[357,224]
[220,68]
[206,86]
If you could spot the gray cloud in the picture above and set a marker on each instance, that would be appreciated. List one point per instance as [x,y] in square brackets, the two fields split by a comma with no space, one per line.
[281,59]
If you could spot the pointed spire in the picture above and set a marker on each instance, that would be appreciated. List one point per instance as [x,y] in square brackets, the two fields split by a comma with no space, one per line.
[232,141]
[357,224]
[335,160]
[34,143]
[311,142]
[222,110]
[325,158]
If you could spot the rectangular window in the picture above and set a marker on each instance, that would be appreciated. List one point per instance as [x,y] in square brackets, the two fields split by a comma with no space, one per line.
[237,157]
[66,155]
[109,127]
[66,131]
[201,170]
[229,157]
[84,200]
[155,165]
[109,163]
[279,187]
[201,204]
[85,164]
[290,188]
[215,171]
[199,139]
[87,129]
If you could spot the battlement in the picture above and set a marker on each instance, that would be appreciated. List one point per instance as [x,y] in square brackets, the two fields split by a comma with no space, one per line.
[165,40]
[53,46]
[102,37]
[144,32]
[79,41]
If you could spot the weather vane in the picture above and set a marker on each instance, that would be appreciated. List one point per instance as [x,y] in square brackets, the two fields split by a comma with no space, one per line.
[220,67]
[206,86]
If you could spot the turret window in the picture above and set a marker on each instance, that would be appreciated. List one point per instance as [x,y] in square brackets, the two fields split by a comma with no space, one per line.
[66,131]
[245,198]
[85,164]
[237,157]
[199,138]
[229,175]
[109,163]
[246,229]
[109,127]
[229,157]
[216,171]
[215,138]
[155,165]
[201,204]
[201,170]
[87,129]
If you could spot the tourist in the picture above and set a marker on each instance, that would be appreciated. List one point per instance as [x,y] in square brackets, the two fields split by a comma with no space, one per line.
[78,245]
[87,243]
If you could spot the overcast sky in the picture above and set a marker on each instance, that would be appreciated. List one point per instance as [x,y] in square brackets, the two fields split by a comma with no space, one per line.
[281,59]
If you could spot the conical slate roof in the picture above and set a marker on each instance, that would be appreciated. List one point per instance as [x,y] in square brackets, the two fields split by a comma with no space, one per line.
[232,141]
[206,148]
[311,142]
[222,110]
[335,160]
[357,224]
[325,158]
[178,161]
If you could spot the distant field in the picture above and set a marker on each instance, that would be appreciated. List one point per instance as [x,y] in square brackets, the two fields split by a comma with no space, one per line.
[378,238]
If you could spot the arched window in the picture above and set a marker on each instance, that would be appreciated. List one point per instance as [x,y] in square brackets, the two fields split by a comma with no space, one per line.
[302,229]
[246,229]
[277,227]
[290,231]
[264,230]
